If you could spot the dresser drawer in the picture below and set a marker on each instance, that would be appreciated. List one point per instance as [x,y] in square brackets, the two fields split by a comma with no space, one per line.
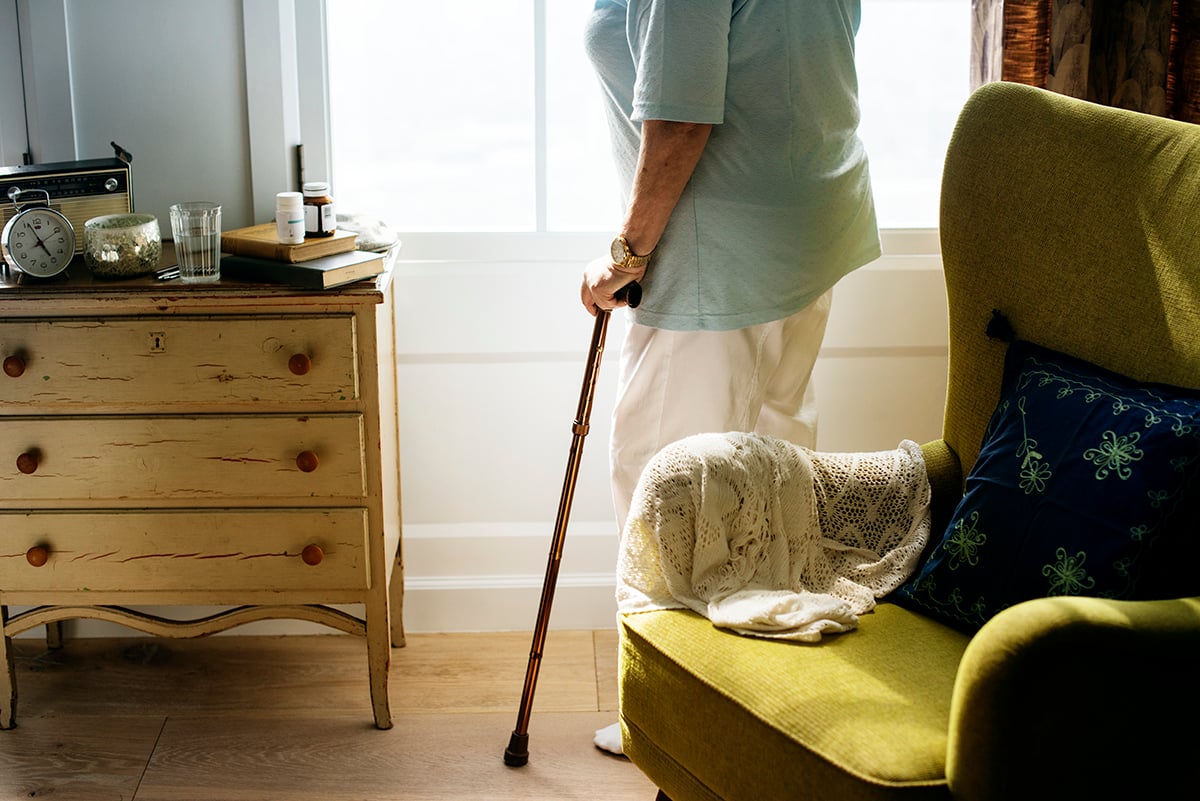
[155,361]
[205,457]
[185,550]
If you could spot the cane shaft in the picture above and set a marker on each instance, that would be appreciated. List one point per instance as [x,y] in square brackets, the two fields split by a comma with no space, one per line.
[517,753]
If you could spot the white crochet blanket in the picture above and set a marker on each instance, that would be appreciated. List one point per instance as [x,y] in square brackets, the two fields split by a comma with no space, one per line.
[770,539]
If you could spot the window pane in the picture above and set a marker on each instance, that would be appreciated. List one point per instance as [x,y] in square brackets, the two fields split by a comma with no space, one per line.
[913,74]
[583,192]
[432,113]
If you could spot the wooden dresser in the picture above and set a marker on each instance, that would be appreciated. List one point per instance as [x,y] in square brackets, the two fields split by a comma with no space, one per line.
[231,446]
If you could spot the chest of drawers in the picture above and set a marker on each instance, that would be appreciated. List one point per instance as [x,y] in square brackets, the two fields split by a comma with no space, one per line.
[230,445]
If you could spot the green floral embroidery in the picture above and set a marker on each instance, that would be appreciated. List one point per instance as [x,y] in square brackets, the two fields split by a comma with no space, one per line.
[1115,453]
[1034,472]
[1034,476]
[1153,406]
[1138,533]
[1068,576]
[962,546]
[954,604]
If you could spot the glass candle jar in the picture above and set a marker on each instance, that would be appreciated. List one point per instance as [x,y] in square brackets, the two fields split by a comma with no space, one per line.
[122,245]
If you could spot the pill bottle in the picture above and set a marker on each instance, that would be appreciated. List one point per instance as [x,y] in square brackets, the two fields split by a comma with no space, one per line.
[289,218]
[319,218]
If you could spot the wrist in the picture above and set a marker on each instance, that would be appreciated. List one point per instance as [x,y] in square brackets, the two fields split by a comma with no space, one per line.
[627,260]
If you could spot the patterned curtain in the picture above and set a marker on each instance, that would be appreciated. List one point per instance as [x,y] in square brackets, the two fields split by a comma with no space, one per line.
[1142,55]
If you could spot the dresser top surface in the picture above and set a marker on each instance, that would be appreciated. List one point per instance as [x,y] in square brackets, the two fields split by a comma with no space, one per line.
[77,288]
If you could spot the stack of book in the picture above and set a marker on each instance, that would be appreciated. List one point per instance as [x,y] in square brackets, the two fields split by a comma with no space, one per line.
[256,254]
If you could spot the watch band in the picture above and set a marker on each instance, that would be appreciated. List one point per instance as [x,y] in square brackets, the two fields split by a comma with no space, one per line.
[623,257]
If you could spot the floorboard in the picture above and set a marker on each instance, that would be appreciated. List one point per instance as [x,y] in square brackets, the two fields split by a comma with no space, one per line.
[249,718]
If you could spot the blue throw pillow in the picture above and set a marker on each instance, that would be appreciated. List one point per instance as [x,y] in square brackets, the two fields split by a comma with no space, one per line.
[1087,483]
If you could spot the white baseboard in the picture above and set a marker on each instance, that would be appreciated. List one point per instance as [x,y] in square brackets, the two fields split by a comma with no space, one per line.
[508,603]
[489,577]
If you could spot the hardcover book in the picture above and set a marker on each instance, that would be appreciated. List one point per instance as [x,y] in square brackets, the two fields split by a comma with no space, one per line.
[262,241]
[325,272]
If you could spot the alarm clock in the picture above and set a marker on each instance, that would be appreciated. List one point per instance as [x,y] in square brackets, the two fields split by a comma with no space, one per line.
[37,240]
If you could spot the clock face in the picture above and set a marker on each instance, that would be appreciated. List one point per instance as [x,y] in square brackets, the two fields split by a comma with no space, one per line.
[617,251]
[40,242]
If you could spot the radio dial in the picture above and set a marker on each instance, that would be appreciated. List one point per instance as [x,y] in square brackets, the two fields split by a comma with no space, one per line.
[111,184]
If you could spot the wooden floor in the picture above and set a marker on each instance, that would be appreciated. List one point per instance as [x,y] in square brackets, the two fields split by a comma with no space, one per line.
[247,718]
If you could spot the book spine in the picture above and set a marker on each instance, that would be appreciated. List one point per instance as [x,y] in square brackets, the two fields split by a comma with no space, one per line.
[258,249]
[252,268]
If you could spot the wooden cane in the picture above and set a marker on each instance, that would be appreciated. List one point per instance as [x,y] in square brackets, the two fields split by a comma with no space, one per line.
[517,753]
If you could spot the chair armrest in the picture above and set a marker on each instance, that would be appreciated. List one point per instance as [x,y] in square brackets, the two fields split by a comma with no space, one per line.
[945,482]
[1078,698]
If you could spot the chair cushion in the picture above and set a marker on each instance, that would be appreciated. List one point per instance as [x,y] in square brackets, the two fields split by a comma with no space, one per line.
[1086,484]
[864,715]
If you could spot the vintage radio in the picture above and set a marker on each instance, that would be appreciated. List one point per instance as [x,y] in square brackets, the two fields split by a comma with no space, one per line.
[80,190]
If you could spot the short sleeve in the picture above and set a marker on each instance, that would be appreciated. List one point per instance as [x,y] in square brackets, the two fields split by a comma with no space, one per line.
[681,55]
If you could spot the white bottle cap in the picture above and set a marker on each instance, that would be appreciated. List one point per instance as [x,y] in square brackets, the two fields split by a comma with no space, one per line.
[289,201]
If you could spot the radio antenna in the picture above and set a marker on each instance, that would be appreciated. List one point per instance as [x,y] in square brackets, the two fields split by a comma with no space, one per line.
[121,153]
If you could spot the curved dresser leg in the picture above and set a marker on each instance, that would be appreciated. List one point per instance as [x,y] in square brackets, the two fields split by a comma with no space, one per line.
[396,601]
[8,679]
[379,658]
[54,635]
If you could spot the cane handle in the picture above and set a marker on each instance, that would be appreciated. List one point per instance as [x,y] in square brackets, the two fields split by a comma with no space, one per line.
[631,293]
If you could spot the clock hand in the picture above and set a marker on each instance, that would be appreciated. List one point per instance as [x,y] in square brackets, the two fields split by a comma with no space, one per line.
[41,242]
[33,231]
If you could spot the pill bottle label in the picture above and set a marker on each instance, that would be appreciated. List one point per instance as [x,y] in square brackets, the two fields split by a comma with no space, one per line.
[319,220]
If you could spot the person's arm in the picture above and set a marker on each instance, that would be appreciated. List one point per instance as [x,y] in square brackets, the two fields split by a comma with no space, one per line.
[667,158]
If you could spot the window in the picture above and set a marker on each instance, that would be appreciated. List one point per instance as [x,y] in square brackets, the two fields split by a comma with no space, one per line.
[913,76]
[484,115]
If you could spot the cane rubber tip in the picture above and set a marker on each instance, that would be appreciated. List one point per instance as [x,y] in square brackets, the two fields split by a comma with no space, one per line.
[517,753]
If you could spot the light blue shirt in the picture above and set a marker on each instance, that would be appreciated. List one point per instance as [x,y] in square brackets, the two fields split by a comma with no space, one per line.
[779,207]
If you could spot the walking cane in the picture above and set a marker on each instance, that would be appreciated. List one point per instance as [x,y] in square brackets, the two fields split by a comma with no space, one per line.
[517,753]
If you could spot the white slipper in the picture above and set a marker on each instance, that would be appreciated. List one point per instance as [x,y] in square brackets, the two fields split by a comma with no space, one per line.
[609,739]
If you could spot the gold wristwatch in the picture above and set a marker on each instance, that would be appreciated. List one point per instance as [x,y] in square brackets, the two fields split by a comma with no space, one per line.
[625,259]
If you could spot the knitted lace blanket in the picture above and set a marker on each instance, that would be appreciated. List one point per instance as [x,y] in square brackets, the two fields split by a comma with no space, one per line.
[770,539]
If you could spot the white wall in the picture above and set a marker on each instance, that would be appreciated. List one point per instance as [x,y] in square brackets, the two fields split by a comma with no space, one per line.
[491,338]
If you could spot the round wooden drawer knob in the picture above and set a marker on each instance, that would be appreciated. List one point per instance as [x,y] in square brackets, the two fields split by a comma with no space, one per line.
[14,366]
[312,554]
[38,555]
[306,461]
[27,462]
[300,364]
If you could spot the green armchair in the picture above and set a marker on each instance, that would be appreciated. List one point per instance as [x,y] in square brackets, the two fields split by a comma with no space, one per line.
[1081,223]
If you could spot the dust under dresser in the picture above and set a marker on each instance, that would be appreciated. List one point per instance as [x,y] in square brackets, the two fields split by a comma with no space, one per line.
[231,446]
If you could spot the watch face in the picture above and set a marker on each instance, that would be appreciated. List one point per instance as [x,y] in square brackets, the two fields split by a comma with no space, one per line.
[40,242]
[617,251]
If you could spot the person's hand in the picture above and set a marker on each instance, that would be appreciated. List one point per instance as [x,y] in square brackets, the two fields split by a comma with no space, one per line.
[601,282]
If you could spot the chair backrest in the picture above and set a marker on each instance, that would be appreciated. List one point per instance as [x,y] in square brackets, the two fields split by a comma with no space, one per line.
[1081,224]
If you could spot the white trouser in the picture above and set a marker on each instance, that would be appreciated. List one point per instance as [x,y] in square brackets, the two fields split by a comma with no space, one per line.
[673,384]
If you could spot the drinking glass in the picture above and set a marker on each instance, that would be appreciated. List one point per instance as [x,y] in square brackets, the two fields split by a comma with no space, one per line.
[196,227]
